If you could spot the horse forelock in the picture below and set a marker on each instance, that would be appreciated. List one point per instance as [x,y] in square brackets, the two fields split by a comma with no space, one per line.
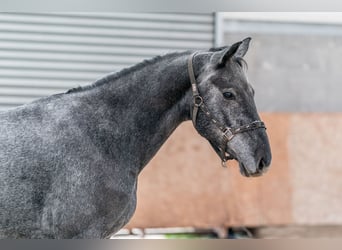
[242,63]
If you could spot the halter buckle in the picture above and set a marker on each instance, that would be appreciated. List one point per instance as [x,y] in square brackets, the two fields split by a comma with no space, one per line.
[228,133]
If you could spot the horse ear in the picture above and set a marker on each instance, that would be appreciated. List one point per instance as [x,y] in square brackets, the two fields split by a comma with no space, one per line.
[238,49]
[242,50]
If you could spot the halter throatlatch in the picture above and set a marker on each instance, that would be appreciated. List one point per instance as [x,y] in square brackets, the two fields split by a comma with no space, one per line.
[228,133]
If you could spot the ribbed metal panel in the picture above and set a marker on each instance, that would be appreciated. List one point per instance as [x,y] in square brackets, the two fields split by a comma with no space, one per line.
[43,54]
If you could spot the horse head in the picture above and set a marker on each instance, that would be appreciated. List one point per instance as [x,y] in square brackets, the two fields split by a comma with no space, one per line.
[224,111]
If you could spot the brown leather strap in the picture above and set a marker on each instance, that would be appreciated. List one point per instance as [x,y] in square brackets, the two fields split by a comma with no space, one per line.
[192,75]
[251,126]
[197,99]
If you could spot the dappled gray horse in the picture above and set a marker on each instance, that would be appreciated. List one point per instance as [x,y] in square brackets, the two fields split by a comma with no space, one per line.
[69,162]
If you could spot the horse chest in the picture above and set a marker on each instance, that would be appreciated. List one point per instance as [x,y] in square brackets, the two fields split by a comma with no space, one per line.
[116,212]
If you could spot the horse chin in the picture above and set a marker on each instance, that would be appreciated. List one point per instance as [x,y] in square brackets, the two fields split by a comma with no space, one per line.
[243,169]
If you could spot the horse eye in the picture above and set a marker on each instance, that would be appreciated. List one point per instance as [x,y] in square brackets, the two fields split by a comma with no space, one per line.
[228,95]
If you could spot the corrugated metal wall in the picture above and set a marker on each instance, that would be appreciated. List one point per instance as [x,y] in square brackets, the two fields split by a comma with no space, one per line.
[43,54]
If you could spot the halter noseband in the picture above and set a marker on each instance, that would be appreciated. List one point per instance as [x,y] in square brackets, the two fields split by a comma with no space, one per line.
[228,133]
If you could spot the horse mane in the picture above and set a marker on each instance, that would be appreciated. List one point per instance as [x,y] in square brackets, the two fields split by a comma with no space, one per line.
[116,75]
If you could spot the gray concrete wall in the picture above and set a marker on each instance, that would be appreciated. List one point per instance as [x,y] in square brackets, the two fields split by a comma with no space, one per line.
[294,68]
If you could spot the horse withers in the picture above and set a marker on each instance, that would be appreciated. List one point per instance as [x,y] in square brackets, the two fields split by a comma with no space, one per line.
[69,162]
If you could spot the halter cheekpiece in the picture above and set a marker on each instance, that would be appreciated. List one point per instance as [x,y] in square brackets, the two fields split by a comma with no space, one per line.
[228,133]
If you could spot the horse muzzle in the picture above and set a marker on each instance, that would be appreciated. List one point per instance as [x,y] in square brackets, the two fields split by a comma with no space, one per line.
[256,169]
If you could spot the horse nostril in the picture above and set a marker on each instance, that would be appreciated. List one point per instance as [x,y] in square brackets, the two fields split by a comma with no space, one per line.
[262,164]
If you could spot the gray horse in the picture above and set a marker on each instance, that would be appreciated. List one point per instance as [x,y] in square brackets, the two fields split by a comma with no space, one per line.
[69,162]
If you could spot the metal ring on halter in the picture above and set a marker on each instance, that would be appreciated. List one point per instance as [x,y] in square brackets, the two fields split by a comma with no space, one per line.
[224,163]
[199,99]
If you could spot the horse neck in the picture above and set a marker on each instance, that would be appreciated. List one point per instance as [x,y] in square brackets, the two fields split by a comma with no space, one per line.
[147,105]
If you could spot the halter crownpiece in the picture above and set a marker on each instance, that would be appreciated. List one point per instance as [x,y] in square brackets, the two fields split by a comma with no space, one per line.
[228,133]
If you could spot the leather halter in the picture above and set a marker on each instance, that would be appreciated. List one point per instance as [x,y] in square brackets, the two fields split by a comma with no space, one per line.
[228,133]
